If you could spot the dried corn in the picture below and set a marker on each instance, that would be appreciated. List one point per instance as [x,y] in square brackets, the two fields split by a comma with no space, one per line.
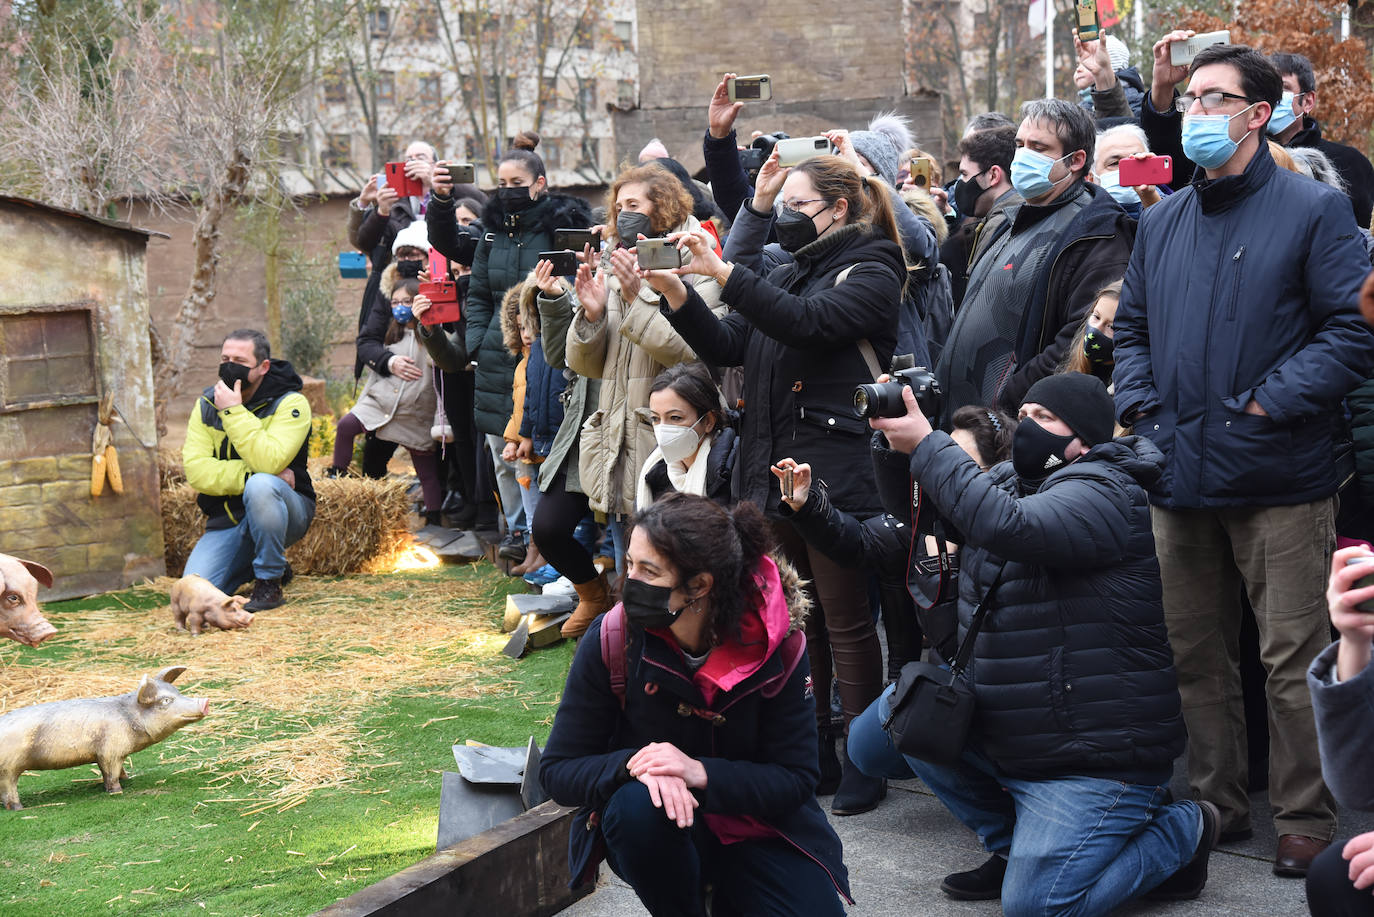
[112,469]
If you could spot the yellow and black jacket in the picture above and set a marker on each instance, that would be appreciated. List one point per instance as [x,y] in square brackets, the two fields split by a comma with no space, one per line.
[266,436]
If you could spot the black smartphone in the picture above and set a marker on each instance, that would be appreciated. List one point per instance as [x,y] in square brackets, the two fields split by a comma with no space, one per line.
[577,239]
[565,263]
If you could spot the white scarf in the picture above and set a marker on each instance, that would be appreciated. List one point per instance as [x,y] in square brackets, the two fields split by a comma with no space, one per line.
[684,480]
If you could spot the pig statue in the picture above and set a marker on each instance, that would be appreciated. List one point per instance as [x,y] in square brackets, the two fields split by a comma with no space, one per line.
[104,730]
[20,618]
[196,602]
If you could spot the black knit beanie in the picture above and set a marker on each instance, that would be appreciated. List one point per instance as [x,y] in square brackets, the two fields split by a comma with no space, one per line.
[1081,401]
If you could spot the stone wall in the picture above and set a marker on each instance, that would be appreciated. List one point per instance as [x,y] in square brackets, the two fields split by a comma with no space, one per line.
[831,66]
[55,263]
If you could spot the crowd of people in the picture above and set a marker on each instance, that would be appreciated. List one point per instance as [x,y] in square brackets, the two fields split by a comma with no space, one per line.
[1131,418]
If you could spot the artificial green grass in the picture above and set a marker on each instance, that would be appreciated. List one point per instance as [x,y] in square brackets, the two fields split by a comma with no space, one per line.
[176,842]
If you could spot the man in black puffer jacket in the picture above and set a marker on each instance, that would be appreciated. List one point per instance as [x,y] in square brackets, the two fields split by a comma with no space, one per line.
[1078,716]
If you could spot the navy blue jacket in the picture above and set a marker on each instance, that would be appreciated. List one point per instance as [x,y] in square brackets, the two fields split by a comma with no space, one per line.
[544,387]
[759,754]
[1239,288]
[1072,670]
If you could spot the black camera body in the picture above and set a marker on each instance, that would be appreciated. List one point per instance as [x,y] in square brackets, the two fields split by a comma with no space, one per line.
[753,158]
[884,399]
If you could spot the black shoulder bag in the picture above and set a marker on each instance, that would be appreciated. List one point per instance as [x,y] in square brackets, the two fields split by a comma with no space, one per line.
[932,707]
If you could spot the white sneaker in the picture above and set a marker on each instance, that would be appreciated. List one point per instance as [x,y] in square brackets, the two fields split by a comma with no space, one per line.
[560,586]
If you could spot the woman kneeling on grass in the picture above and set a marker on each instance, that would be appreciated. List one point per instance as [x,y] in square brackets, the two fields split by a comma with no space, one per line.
[688,735]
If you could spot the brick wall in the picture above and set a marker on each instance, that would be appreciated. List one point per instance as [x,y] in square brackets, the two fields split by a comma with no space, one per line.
[832,65]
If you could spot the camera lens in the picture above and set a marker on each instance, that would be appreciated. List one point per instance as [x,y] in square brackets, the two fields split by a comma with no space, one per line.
[861,401]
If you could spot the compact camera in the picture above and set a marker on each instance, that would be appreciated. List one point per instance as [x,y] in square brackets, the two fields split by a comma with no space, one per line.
[884,399]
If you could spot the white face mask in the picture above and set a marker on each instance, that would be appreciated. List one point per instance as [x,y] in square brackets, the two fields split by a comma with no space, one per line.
[677,442]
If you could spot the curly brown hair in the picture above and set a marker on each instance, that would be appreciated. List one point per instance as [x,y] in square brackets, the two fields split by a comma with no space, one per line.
[671,202]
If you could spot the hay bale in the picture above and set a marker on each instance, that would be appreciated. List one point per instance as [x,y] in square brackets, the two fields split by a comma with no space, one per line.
[360,526]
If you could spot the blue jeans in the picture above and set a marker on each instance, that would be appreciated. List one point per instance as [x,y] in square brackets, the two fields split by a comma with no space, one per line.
[618,526]
[274,516]
[1074,845]
[667,866]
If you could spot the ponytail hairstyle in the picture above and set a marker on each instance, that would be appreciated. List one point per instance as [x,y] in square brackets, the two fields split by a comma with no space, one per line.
[522,151]
[394,331]
[698,535]
[692,383]
[869,201]
[992,430]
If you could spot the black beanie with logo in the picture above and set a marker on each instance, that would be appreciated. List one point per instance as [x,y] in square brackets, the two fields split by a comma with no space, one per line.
[1081,401]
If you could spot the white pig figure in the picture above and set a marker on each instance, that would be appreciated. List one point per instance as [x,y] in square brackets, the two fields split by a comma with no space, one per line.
[100,730]
[196,602]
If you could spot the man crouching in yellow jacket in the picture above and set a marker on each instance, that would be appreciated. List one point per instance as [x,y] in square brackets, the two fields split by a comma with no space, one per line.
[245,452]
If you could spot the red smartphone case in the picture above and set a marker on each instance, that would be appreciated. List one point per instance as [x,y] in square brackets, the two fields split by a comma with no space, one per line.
[399,182]
[443,298]
[1157,170]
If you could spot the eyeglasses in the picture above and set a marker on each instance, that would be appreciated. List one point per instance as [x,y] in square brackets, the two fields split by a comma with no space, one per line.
[796,206]
[1209,100]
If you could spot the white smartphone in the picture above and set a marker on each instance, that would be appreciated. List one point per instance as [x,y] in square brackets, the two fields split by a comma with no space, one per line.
[794,150]
[1181,53]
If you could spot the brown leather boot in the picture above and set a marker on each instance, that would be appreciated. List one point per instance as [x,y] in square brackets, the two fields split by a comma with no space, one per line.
[594,599]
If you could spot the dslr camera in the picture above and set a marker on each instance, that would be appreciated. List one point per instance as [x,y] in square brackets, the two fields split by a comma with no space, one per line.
[884,399]
[753,158]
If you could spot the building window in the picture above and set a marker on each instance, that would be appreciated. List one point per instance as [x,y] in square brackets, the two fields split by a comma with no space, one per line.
[551,151]
[379,22]
[389,145]
[46,357]
[548,89]
[624,31]
[586,95]
[585,35]
[335,88]
[423,25]
[429,89]
[293,149]
[625,93]
[386,87]
[338,151]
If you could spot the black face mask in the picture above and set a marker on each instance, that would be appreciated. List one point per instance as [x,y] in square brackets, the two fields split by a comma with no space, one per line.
[229,373]
[514,200]
[796,230]
[1098,348]
[629,226]
[1035,451]
[967,191]
[409,268]
[646,605]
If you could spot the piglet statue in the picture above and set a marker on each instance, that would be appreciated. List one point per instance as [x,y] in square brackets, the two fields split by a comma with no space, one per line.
[197,602]
[103,730]
[20,617]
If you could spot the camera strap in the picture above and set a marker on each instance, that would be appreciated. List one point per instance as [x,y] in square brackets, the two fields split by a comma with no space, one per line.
[866,350]
[937,565]
[961,658]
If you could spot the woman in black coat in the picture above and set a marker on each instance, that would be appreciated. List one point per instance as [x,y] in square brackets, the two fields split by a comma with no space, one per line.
[806,336]
[685,733]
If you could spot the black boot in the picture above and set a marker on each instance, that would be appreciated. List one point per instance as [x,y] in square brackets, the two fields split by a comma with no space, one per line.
[830,764]
[266,595]
[981,884]
[858,792]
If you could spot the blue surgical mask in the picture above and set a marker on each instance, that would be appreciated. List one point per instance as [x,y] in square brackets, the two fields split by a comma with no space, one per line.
[1030,173]
[401,312]
[1123,195]
[1283,116]
[1207,138]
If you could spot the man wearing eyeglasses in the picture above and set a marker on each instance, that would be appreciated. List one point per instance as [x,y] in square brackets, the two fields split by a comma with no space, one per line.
[1237,337]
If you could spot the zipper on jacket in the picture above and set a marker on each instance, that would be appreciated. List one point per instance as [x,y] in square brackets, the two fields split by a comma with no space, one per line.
[1044,314]
[1235,282]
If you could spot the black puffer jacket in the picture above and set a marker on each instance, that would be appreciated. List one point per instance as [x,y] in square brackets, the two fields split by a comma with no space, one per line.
[1072,669]
[797,336]
[505,256]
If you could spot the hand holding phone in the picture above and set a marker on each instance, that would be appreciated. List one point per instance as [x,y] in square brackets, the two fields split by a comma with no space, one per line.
[1181,53]
[401,182]
[565,262]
